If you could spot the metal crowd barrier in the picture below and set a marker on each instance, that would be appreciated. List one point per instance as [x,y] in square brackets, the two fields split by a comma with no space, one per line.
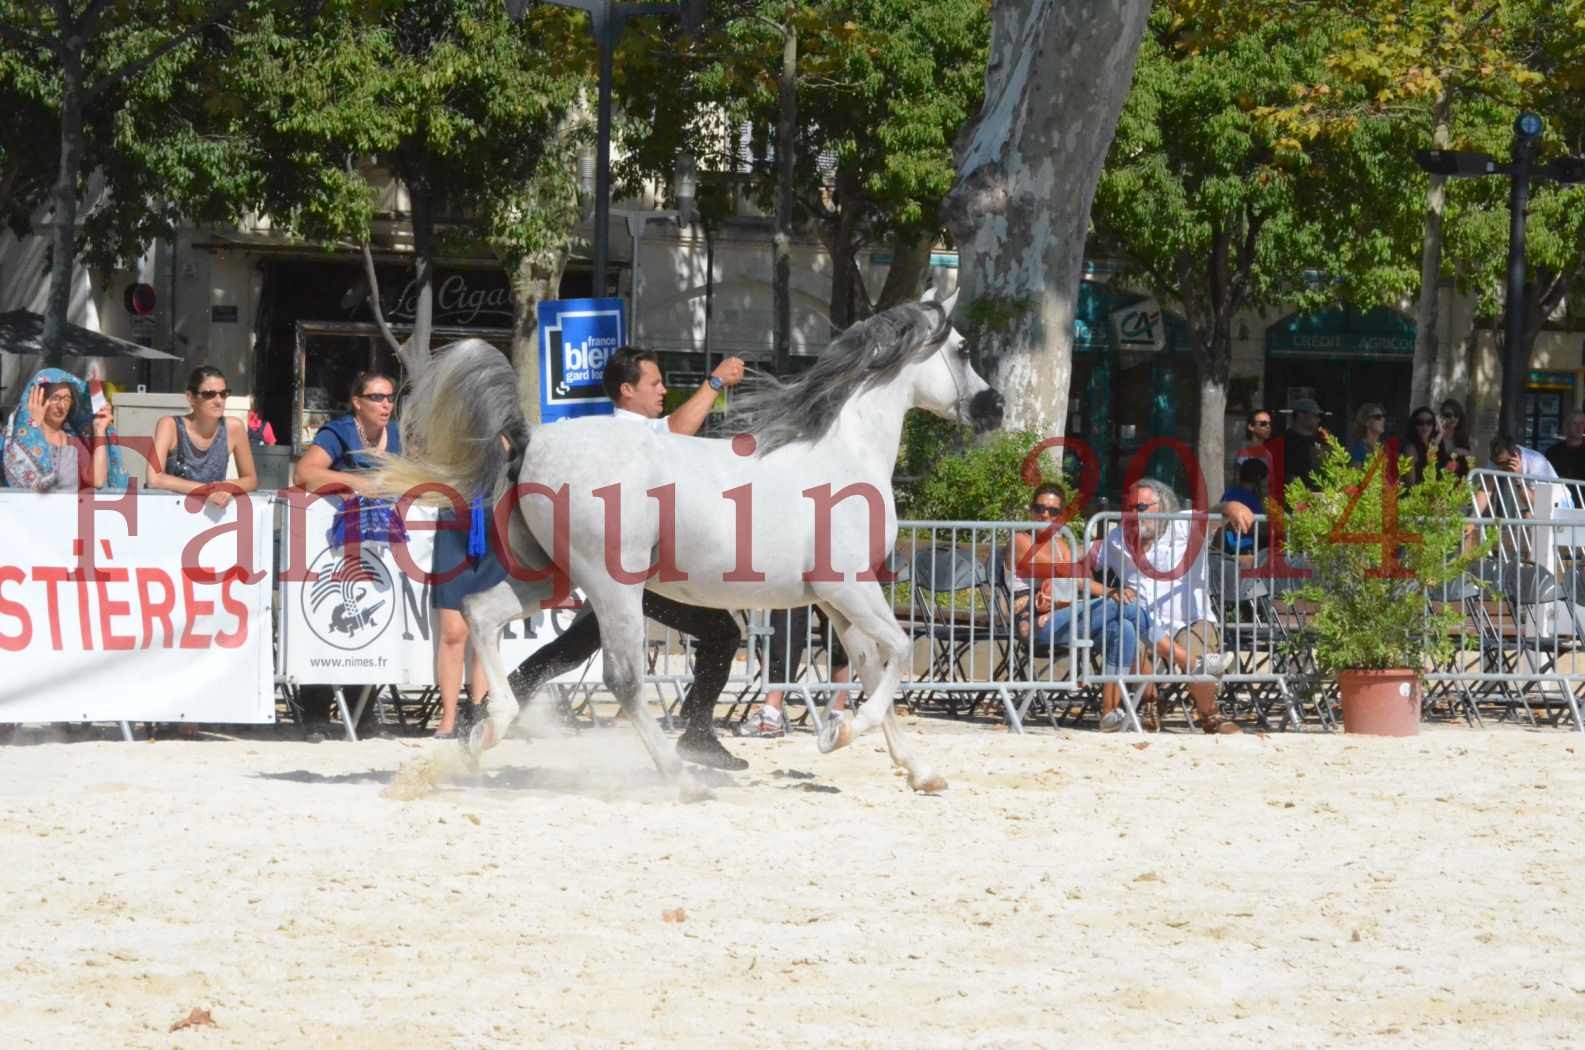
[1221,616]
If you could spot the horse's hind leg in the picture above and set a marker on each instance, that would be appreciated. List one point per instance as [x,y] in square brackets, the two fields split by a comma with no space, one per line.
[487,613]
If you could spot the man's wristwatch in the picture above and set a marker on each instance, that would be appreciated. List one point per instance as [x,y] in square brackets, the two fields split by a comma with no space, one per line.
[717,384]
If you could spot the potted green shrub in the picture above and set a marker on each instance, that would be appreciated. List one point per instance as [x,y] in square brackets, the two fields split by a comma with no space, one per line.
[1374,549]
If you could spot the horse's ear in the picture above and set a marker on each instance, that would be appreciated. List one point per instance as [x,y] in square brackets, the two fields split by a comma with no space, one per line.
[930,294]
[950,302]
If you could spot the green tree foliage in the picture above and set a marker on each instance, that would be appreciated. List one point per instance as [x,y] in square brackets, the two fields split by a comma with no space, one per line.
[1443,75]
[110,88]
[883,86]
[942,476]
[1206,203]
[467,109]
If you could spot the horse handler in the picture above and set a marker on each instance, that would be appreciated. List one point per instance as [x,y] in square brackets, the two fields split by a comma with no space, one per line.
[633,382]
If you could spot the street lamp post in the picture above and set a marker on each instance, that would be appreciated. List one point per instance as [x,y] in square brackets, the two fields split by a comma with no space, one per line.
[607,19]
[1520,170]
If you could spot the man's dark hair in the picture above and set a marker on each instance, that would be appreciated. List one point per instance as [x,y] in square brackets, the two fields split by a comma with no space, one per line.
[1252,471]
[1501,445]
[623,367]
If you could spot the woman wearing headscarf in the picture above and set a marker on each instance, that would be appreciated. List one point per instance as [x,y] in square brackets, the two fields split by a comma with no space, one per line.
[56,442]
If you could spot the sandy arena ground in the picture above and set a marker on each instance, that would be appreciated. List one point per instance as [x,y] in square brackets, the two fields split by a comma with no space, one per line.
[1069,890]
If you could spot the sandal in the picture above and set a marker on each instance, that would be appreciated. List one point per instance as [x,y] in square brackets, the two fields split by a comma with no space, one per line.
[1216,724]
[1150,715]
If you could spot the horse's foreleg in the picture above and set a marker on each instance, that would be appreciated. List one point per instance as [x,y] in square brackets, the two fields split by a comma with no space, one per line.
[622,633]
[876,649]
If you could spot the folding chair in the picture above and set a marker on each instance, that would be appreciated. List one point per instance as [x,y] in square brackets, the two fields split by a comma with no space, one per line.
[937,573]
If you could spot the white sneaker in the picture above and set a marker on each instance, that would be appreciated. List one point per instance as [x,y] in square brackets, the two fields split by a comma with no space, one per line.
[1114,720]
[1215,664]
[766,724]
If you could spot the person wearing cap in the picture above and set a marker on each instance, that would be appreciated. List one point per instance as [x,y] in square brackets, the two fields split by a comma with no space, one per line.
[1301,444]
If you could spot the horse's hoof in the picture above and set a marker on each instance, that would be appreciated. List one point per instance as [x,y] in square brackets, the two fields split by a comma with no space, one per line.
[934,784]
[836,733]
[479,739]
[690,790]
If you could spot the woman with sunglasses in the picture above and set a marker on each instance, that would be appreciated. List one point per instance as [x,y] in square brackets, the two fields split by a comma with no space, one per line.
[194,450]
[1421,442]
[1044,593]
[338,454]
[1370,422]
[1453,443]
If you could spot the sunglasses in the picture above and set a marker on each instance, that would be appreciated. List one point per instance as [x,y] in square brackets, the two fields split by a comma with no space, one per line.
[1425,422]
[1266,423]
[1044,510]
[1140,508]
[378,399]
[1377,415]
[210,395]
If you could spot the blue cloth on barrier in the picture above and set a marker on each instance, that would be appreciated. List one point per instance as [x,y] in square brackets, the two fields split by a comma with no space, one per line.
[361,519]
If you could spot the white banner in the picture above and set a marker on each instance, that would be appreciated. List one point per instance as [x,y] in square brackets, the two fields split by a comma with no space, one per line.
[367,620]
[133,608]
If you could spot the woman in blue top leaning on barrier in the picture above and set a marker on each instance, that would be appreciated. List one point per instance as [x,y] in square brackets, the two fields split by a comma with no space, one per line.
[339,457]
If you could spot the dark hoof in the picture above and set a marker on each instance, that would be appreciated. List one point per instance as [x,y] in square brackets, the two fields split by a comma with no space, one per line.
[705,750]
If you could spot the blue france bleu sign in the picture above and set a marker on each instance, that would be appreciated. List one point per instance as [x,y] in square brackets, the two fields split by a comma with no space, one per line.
[576,338]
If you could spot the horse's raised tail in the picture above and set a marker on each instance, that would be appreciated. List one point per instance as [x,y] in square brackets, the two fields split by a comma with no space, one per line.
[453,418]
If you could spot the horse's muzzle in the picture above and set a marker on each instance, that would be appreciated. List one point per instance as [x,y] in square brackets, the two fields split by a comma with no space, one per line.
[986,409]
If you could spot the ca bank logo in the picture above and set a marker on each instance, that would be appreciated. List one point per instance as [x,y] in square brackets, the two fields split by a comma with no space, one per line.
[352,601]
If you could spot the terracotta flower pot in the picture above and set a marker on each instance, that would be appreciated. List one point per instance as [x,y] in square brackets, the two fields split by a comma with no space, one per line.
[1381,703]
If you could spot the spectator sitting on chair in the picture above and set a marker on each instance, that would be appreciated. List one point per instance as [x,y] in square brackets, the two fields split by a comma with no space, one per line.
[788,639]
[1045,611]
[1507,454]
[194,450]
[1175,603]
[1248,491]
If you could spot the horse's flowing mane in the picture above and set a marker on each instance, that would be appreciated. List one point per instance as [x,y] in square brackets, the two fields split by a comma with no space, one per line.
[781,412]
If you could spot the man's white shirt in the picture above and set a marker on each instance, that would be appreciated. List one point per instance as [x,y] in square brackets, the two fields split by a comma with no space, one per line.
[660,426]
[1175,603]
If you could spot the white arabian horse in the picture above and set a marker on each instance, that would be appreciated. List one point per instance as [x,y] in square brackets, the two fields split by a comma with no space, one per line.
[796,508]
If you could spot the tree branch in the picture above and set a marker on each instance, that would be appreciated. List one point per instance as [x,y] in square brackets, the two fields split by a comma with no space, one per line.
[20,37]
[374,301]
[89,19]
[132,69]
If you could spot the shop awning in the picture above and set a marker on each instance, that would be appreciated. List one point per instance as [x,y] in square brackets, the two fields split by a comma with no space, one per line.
[22,332]
[1342,332]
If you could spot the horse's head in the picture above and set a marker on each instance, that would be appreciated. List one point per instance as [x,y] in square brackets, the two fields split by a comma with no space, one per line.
[947,383]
